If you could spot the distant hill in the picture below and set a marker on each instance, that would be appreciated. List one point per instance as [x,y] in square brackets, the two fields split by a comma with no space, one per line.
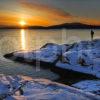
[74,26]
[65,25]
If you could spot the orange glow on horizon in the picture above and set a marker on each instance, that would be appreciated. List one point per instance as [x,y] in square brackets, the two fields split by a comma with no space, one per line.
[22,22]
[25,13]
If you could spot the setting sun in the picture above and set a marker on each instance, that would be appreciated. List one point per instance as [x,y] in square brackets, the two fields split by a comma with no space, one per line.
[22,23]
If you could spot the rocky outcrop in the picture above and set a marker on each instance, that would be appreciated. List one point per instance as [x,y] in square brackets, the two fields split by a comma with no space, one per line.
[83,57]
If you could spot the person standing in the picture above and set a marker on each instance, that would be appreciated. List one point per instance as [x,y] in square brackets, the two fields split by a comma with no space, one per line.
[92,35]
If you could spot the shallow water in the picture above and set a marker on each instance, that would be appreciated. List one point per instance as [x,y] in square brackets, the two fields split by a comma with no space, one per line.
[20,39]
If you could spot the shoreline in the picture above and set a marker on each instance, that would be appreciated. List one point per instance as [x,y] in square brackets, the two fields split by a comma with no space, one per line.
[70,77]
[71,68]
[9,67]
[66,76]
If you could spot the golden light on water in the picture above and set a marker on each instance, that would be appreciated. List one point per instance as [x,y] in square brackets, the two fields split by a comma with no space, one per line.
[23,41]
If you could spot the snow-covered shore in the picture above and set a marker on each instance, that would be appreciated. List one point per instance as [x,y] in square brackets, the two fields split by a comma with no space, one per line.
[26,88]
[83,57]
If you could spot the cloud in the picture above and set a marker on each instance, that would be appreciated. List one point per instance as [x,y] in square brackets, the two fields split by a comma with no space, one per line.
[40,13]
[49,10]
[86,20]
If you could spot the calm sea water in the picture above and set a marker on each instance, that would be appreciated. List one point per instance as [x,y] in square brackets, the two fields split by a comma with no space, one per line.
[13,40]
[20,39]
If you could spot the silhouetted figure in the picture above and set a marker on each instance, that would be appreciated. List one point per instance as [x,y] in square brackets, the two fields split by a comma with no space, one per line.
[92,34]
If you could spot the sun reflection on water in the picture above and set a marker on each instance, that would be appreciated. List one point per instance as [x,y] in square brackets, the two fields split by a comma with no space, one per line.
[23,39]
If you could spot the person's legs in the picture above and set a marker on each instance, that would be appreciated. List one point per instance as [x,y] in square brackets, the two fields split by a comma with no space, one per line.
[91,37]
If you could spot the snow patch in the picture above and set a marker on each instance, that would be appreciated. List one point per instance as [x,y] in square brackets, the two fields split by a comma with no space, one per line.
[25,88]
[92,86]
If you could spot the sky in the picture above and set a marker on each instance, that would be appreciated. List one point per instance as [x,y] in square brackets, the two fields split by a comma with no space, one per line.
[49,12]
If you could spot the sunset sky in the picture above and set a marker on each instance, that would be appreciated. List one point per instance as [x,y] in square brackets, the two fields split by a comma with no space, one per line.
[49,12]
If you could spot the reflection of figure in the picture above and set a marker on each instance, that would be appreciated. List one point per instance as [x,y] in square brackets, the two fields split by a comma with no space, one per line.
[92,34]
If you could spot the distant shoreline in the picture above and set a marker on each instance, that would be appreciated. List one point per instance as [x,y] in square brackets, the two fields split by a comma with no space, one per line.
[60,26]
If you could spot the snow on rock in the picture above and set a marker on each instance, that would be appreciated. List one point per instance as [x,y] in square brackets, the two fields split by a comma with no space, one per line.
[48,53]
[92,86]
[25,88]
[82,57]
